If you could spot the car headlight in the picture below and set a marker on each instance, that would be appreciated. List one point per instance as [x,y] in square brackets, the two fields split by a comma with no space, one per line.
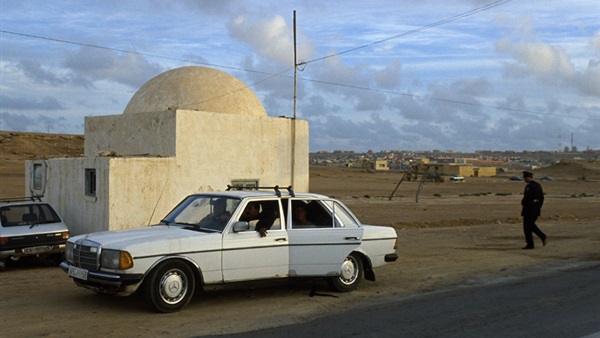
[116,259]
[69,251]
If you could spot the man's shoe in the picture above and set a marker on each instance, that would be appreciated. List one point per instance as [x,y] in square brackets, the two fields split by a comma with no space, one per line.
[544,241]
[527,247]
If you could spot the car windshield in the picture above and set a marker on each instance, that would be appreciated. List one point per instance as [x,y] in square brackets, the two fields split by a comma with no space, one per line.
[27,214]
[203,212]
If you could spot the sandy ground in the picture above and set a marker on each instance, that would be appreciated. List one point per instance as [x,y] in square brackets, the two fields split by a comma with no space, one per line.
[458,234]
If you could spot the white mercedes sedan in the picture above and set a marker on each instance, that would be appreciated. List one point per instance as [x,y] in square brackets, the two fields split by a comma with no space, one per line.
[237,235]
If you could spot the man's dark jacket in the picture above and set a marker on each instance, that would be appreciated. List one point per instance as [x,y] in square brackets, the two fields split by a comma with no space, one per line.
[533,199]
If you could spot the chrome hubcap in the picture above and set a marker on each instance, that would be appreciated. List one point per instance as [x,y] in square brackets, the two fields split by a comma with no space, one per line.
[349,272]
[173,286]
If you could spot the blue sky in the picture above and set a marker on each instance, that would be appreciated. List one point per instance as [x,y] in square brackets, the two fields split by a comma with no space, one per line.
[459,75]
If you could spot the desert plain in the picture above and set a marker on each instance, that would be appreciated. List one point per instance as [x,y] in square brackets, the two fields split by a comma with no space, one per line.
[458,234]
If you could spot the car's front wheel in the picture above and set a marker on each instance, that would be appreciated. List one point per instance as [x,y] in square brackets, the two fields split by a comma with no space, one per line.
[350,274]
[58,258]
[169,287]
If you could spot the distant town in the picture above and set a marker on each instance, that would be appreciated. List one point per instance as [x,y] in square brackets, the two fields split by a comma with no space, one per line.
[400,160]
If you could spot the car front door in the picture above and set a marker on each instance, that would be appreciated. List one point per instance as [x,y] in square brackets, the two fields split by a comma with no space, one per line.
[320,246]
[247,255]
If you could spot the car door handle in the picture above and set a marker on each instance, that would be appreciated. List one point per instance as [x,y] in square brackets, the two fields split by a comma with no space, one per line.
[351,238]
[281,239]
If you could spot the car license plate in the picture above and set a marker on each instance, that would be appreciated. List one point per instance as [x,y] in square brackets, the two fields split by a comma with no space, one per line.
[37,249]
[78,273]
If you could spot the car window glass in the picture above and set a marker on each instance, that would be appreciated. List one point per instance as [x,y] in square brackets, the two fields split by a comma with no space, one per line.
[270,216]
[343,218]
[262,213]
[211,212]
[321,214]
[28,214]
[47,214]
[310,214]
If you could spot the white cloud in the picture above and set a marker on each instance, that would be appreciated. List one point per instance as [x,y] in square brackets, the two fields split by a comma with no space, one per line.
[595,41]
[548,63]
[436,88]
[390,76]
[270,38]
[129,69]
[46,103]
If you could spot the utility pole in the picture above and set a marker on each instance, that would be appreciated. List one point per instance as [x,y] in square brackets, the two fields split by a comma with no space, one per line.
[571,141]
[295,66]
[293,164]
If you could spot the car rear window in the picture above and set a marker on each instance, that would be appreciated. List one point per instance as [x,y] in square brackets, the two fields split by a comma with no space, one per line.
[27,214]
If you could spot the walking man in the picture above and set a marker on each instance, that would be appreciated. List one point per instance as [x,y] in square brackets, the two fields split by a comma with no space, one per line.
[533,199]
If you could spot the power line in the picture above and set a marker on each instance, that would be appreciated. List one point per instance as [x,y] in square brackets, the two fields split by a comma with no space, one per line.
[83,44]
[422,28]
[240,89]
[447,100]
[416,30]
[280,74]
[269,75]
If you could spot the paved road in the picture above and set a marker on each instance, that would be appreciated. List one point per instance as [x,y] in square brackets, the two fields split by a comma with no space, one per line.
[561,304]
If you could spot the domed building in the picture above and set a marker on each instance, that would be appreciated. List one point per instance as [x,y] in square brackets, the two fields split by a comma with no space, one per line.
[195,88]
[187,130]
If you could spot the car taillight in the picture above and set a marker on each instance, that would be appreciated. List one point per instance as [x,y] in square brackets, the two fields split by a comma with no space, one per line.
[3,240]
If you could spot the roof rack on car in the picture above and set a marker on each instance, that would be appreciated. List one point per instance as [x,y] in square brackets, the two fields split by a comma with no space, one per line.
[34,198]
[276,188]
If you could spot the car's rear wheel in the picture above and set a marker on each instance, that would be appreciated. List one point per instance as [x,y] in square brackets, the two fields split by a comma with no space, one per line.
[350,274]
[169,287]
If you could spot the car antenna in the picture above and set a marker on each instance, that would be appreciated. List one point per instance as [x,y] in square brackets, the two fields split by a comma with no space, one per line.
[156,205]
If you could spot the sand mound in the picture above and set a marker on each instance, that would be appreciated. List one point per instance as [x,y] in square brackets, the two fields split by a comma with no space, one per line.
[579,169]
[28,146]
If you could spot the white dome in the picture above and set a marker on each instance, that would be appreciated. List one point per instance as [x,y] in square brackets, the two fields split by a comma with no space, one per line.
[195,88]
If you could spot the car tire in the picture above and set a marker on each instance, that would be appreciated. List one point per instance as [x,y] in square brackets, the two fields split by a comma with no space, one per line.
[169,287]
[58,258]
[350,276]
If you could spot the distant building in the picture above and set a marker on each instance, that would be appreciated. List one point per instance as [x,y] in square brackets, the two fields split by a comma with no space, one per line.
[466,170]
[365,163]
[188,130]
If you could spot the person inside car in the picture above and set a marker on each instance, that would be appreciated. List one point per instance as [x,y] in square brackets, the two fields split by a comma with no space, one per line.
[219,216]
[300,216]
[251,212]
[267,217]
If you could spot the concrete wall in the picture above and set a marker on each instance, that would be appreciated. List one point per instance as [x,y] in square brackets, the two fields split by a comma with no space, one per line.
[208,151]
[64,189]
[484,171]
[149,134]
[240,147]
[141,191]
[466,170]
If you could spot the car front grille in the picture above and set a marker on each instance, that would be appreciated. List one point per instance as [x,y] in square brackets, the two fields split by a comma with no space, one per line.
[86,255]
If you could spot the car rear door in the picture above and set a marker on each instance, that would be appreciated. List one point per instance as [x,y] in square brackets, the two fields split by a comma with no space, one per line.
[320,248]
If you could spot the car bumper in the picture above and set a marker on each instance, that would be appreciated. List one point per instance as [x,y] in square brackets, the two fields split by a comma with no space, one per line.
[391,257]
[32,251]
[107,283]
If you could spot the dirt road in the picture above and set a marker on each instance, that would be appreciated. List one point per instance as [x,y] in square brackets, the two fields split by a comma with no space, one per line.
[458,234]
[41,301]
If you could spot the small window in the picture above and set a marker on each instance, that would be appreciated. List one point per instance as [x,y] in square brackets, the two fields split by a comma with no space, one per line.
[38,176]
[90,182]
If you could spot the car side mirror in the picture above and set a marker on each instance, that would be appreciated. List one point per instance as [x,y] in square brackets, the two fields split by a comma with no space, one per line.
[241,226]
